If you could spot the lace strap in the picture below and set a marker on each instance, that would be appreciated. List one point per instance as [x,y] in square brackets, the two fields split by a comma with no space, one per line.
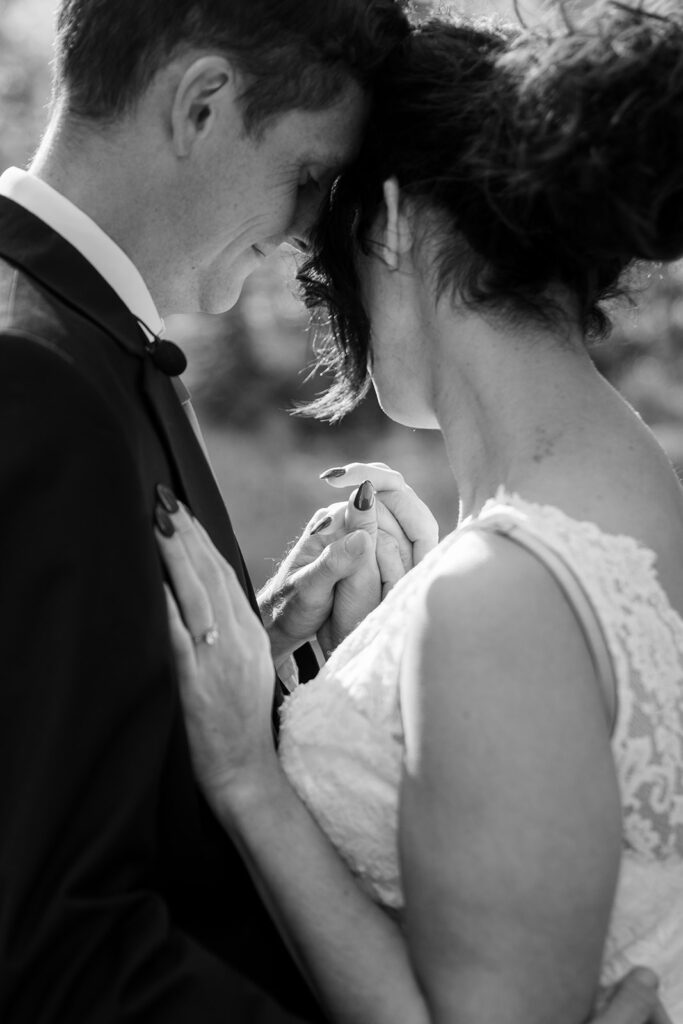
[508,525]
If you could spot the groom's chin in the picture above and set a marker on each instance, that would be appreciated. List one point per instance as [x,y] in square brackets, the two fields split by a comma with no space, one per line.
[220,296]
[215,305]
[220,286]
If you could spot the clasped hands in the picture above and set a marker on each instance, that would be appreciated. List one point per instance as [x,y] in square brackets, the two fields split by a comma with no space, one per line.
[347,559]
[350,554]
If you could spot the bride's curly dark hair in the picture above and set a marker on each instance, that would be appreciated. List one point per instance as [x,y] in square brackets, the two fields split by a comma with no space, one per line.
[545,161]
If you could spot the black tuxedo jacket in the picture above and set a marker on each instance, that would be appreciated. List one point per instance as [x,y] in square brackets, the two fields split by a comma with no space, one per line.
[121,899]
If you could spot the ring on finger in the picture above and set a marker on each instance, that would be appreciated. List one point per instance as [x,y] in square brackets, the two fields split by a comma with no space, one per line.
[208,637]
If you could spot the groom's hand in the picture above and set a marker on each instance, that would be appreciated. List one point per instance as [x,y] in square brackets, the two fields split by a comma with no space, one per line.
[322,586]
[299,599]
[633,1000]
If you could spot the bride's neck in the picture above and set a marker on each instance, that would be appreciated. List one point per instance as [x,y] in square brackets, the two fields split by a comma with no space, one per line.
[511,404]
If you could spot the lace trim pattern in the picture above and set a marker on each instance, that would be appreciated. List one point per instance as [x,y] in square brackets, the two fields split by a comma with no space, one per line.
[645,637]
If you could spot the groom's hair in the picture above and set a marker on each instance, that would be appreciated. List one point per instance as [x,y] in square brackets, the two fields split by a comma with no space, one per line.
[293,53]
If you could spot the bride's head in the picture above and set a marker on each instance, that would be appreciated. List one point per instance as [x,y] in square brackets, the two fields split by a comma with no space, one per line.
[514,175]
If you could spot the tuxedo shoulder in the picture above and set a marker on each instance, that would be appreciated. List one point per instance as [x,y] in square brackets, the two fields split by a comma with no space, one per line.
[45,389]
[57,349]
[26,308]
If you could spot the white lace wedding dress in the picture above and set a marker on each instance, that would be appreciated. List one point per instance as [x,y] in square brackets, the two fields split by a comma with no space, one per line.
[341,740]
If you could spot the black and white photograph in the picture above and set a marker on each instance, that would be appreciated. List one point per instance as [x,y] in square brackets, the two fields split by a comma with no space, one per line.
[341,512]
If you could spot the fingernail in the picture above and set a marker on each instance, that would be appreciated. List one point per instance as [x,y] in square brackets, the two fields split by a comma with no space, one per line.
[355,543]
[330,473]
[645,977]
[167,498]
[322,525]
[164,521]
[365,498]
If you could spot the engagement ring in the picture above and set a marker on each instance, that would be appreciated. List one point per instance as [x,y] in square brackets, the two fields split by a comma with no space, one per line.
[208,637]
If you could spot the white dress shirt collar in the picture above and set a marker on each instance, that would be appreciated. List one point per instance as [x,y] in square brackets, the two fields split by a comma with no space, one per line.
[83,233]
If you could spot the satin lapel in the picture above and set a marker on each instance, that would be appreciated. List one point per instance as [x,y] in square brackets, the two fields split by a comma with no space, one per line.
[201,489]
[27,242]
[194,472]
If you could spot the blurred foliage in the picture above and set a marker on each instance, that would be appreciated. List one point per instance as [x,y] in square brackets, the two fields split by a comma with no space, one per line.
[247,368]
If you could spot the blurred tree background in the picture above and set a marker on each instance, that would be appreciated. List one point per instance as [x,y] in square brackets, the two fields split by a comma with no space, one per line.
[248,367]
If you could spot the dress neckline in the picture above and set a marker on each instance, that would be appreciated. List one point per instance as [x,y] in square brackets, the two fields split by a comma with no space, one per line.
[553,514]
[642,559]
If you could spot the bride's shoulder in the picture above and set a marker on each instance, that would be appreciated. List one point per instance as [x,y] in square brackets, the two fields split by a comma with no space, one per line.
[481,580]
[490,623]
[490,603]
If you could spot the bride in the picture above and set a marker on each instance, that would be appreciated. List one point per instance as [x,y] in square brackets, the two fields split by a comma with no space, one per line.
[477,812]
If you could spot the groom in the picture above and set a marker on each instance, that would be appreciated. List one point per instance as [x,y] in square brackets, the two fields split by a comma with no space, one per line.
[187,139]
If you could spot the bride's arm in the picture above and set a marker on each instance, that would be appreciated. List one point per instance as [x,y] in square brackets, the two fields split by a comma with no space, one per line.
[354,956]
[351,952]
[510,812]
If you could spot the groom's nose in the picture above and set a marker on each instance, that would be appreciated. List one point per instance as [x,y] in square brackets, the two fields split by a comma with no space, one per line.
[308,209]
[300,245]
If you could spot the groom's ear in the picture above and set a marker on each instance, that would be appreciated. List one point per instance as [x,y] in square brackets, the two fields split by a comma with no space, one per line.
[207,89]
[397,230]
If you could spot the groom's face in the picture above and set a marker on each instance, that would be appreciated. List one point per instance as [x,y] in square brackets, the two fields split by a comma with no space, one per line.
[273,187]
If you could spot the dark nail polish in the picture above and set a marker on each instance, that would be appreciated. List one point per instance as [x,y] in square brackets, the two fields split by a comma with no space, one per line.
[322,525]
[365,497]
[167,498]
[164,521]
[330,473]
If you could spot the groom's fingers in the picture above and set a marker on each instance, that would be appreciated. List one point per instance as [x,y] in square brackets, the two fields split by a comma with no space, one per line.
[635,1001]
[339,560]
[659,1015]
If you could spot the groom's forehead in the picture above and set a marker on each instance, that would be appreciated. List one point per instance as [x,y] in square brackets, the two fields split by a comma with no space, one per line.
[335,133]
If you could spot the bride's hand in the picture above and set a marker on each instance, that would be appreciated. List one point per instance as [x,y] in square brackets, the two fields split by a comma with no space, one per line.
[360,593]
[225,670]
[403,514]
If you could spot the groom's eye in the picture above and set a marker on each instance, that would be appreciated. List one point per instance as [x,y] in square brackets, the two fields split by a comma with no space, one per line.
[309,180]
[309,183]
